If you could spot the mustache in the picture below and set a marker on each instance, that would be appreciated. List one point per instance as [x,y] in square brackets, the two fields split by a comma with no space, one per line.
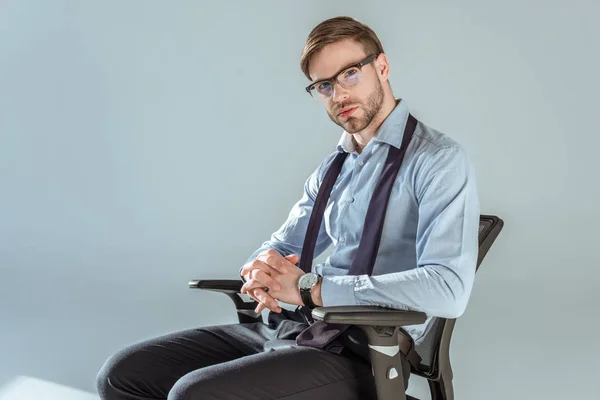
[339,106]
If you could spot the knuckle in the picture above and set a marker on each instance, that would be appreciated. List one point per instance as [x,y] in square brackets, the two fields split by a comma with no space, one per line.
[266,253]
[274,261]
[266,276]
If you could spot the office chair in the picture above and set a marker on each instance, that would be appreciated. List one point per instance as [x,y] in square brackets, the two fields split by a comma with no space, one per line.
[434,349]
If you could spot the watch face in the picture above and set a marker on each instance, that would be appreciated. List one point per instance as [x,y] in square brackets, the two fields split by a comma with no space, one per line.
[307,281]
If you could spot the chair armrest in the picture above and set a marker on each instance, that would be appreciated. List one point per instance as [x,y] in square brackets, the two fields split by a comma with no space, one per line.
[384,344]
[368,315]
[220,285]
[231,288]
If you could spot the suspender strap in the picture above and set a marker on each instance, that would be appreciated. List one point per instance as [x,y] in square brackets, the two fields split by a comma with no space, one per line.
[320,334]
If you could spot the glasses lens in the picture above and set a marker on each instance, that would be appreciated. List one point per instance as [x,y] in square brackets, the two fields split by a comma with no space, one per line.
[350,77]
[321,91]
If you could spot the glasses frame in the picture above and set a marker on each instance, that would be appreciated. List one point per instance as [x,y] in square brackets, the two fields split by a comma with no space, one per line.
[335,78]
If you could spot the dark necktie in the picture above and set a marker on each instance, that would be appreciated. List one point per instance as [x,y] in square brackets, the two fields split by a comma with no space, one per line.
[320,334]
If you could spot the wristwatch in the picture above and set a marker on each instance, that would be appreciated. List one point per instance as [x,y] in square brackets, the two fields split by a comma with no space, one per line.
[305,283]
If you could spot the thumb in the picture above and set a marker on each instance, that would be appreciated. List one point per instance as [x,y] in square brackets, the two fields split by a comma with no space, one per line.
[293,258]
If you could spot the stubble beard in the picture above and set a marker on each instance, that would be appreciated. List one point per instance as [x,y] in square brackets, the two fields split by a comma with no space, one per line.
[370,106]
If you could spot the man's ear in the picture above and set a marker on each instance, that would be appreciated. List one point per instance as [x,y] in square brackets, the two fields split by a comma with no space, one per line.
[382,67]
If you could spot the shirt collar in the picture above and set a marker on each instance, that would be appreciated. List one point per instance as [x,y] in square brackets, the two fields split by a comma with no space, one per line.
[391,130]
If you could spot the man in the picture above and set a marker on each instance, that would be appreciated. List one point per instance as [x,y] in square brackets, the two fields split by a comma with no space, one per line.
[426,259]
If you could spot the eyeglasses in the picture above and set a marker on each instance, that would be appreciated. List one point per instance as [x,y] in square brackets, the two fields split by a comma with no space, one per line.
[347,78]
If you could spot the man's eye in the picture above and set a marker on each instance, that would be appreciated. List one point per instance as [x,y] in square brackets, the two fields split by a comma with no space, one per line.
[351,72]
[324,88]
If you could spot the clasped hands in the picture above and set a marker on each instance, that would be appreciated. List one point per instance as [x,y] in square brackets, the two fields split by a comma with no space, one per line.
[278,274]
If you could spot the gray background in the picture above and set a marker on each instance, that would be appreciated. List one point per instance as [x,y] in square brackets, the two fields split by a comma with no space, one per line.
[145,143]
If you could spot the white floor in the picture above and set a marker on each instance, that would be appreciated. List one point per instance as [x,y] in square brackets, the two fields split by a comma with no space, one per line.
[28,388]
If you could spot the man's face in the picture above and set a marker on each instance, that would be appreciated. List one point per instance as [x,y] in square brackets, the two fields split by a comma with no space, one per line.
[353,109]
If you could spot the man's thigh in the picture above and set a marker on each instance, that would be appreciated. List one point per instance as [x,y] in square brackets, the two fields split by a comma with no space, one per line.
[296,373]
[149,369]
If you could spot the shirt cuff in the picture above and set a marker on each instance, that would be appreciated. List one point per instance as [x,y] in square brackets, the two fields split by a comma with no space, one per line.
[338,290]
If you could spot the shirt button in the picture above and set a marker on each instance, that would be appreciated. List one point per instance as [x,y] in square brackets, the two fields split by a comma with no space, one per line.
[351,200]
[361,163]
[342,239]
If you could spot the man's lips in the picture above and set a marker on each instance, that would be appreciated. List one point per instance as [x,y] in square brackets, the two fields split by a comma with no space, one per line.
[346,112]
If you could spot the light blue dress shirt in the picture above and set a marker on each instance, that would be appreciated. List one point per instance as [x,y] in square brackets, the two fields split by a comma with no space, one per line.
[428,252]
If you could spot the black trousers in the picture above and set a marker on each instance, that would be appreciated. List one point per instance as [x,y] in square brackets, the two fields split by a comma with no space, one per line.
[240,361]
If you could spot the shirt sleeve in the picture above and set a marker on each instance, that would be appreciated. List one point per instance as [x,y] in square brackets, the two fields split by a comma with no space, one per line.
[446,246]
[289,238]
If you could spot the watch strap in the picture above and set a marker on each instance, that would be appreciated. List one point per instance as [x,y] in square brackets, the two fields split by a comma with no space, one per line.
[306,295]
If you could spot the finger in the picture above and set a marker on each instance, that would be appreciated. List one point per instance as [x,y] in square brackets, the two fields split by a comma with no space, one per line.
[293,258]
[260,305]
[252,284]
[277,261]
[273,259]
[253,293]
[257,264]
[259,279]
[266,280]
[267,300]
[259,308]
[253,296]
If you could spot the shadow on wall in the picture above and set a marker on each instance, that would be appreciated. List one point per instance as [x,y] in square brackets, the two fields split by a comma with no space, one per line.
[28,388]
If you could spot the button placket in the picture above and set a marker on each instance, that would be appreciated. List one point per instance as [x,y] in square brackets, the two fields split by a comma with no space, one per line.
[349,200]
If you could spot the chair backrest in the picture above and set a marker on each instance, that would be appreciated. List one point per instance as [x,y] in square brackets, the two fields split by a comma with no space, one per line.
[435,347]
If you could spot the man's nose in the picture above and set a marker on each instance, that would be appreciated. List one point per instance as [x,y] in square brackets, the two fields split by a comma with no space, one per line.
[339,93]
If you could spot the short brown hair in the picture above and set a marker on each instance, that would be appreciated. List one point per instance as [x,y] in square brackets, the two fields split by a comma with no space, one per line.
[333,30]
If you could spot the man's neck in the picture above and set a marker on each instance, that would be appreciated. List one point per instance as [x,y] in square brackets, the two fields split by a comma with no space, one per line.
[362,138]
